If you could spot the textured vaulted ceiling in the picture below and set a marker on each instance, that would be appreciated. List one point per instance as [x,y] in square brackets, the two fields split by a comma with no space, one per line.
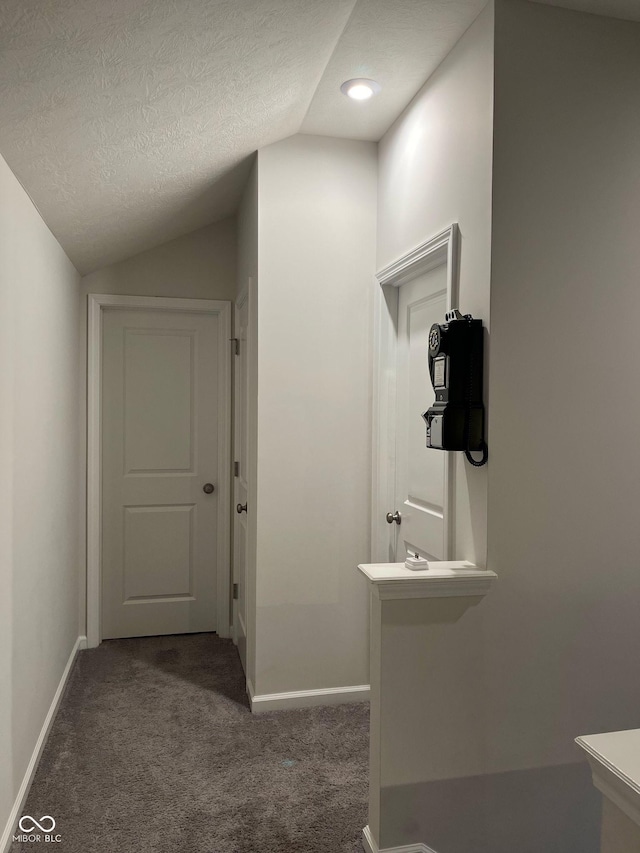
[127,120]
[398,44]
[131,122]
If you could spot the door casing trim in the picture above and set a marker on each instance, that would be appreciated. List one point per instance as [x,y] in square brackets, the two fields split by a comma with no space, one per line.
[96,304]
[241,299]
[442,249]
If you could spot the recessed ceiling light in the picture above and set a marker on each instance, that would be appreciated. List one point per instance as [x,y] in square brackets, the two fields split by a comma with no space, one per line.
[360,89]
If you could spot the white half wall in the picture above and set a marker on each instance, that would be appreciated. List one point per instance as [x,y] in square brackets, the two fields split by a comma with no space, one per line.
[317,227]
[40,516]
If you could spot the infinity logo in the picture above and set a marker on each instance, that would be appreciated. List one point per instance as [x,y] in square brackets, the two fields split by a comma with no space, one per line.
[28,824]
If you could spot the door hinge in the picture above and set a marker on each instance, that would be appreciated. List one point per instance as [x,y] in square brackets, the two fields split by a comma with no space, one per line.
[236,469]
[236,345]
[235,592]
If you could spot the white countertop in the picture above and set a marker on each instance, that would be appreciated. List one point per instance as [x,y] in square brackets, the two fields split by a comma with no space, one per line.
[443,579]
[615,764]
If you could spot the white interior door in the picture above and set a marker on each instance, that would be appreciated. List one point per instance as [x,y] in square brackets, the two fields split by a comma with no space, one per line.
[161,428]
[420,482]
[240,532]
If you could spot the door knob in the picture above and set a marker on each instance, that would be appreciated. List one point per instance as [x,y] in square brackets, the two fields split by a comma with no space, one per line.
[394,516]
[241,508]
[208,488]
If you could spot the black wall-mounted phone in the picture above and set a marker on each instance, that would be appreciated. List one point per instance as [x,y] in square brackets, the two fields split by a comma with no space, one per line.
[455,421]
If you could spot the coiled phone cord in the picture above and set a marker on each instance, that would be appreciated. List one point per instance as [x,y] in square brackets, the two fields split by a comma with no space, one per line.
[477,463]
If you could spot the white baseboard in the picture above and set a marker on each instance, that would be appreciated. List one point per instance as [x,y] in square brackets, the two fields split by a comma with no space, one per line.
[23,792]
[306,698]
[250,691]
[370,846]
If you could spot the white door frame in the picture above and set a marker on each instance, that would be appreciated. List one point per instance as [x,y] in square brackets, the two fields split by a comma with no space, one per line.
[96,304]
[439,250]
[242,297]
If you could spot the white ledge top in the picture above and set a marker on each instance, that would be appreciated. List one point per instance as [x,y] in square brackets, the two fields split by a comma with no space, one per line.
[444,580]
[615,765]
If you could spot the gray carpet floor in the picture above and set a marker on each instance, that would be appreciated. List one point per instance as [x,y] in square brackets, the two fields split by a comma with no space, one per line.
[154,750]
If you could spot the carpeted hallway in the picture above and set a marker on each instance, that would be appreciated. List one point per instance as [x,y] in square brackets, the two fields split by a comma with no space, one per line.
[154,750]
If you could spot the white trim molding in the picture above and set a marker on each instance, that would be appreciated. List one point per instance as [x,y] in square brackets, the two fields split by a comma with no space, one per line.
[32,766]
[444,579]
[442,249]
[370,846]
[615,768]
[96,304]
[306,698]
[438,250]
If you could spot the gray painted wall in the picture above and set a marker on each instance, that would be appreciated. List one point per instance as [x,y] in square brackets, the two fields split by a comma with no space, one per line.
[561,627]
[200,265]
[40,480]
[317,229]
[435,169]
